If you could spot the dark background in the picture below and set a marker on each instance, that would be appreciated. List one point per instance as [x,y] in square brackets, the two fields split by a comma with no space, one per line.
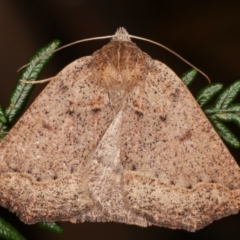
[207,33]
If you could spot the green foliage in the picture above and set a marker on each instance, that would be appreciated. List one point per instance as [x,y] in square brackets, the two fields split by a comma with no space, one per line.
[8,232]
[53,227]
[189,76]
[22,91]
[3,118]
[208,92]
[225,133]
[223,110]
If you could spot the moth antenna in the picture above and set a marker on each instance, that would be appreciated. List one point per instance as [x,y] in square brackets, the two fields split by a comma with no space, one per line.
[122,35]
[174,53]
[36,81]
[65,46]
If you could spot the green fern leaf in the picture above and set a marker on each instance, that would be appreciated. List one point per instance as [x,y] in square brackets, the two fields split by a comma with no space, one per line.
[8,232]
[225,133]
[189,76]
[224,111]
[3,118]
[228,95]
[53,227]
[208,92]
[22,91]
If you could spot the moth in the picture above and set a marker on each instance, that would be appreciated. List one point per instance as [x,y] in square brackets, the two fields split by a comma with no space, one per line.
[117,136]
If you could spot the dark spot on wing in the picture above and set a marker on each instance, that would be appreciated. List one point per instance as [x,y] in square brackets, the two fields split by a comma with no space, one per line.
[134,168]
[140,114]
[163,118]
[96,110]
[70,112]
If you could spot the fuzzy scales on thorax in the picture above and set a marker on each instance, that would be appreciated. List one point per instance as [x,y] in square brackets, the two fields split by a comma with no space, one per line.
[120,65]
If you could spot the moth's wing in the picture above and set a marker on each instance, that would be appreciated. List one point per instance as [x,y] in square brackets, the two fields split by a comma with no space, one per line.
[105,178]
[177,171]
[45,158]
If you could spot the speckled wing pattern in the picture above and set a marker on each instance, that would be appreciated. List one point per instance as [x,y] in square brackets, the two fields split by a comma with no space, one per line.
[117,136]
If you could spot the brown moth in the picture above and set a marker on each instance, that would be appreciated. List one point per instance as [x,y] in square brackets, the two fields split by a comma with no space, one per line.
[117,136]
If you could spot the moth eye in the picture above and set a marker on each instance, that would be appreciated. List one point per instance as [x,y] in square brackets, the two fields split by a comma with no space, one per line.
[96,110]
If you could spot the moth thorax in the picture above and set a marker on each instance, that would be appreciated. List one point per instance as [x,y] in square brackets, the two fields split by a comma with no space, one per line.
[120,65]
